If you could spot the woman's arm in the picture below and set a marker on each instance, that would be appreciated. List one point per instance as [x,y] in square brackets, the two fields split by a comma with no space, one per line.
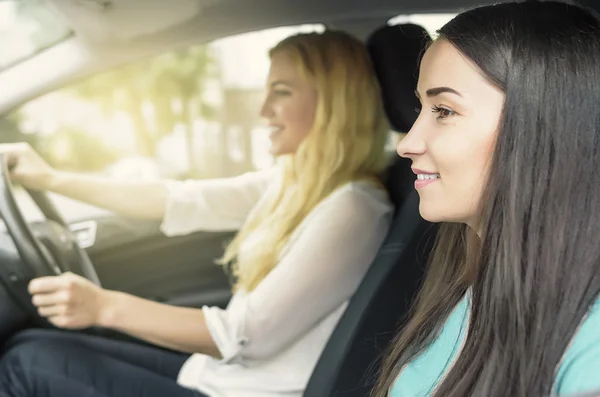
[177,328]
[210,204]
[138,199]
[321,269]
[72,302]
[130,198]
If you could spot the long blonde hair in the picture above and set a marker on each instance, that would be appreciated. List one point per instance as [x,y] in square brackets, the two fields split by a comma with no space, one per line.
[346,142]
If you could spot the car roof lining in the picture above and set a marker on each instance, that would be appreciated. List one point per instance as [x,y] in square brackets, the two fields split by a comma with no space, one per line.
[147,20]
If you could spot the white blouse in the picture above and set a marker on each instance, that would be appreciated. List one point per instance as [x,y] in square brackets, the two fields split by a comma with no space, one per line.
[271,338]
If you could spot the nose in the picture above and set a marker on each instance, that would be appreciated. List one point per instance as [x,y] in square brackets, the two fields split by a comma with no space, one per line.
[266,111]
[412,144]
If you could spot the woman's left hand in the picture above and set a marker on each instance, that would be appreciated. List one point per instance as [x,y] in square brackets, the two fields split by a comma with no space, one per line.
[68,301]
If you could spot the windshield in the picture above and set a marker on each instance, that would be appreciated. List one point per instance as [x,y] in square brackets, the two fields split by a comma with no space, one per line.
[26,28]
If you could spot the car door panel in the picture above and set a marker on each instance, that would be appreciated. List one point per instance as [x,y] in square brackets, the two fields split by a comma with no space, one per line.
[136,257]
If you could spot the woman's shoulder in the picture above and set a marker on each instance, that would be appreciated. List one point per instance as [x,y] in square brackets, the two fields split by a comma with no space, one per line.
[361,193]
[579,371]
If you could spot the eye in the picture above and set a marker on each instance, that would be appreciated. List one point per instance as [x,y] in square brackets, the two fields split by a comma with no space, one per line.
[442,113]
[282,92]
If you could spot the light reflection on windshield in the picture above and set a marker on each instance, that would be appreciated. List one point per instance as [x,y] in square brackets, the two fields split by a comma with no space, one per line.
[26,28]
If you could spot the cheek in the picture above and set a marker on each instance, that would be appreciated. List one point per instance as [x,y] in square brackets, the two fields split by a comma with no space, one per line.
[299,117]
[462,158]
[466,149]
[467,161]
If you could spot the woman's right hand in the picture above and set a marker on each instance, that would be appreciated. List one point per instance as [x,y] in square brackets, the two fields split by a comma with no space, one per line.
[136,199]
[26,166]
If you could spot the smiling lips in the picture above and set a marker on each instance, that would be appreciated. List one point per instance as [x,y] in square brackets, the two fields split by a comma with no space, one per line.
[425,178]
[274,130]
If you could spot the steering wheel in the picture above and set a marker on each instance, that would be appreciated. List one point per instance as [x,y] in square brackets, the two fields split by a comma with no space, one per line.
[56,253]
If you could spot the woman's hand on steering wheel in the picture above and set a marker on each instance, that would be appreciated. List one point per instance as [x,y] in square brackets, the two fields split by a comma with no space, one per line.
[69,301]
[27,167]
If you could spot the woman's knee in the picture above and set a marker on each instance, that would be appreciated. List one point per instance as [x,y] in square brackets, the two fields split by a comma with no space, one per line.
[35,336]
[26,352]
[15,364]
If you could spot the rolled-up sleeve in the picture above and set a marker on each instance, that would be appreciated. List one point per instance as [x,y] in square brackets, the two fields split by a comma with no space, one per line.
[213,204]
[321,269]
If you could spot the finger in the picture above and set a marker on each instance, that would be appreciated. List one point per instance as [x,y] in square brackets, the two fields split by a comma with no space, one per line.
[56,298]
[43,285]
[11,160]
[12,147]
[67,322]
[54,310]
[58,321]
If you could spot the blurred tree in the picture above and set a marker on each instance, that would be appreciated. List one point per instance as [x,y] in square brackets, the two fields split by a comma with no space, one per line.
[67,149]
[11,133]
[9,128]
[43,26]
[157,95]
[78,150]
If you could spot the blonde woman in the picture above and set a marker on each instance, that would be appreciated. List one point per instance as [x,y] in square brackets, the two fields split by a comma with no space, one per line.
[308,230]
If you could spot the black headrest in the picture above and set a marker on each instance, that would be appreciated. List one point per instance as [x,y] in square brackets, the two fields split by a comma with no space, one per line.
[399,181]
[396,52]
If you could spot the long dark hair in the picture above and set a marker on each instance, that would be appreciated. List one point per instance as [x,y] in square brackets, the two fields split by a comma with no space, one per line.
[535,271]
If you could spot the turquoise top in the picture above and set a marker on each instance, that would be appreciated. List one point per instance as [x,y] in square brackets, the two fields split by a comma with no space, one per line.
[578,372]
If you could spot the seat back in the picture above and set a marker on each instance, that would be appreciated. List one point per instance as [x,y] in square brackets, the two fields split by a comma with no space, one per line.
[348,365]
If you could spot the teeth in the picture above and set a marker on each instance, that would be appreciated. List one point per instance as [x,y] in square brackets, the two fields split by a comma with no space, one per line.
[275,129]
[427,176]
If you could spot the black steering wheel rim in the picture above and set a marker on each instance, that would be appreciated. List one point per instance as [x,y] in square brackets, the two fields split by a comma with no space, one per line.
[38,260]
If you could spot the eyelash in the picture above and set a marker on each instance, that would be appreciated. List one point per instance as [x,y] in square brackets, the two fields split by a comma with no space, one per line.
[282,92]
[442,113]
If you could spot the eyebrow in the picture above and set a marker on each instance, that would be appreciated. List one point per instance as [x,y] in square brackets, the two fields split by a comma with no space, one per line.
[437,91]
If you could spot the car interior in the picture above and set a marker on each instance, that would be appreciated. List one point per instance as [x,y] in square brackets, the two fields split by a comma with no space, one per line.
[385,295]
[382,301]
[130,255]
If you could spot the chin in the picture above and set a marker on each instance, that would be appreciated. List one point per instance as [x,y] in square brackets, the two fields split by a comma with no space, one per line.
[430,214]
[276,150]
[438,214]
[277,153]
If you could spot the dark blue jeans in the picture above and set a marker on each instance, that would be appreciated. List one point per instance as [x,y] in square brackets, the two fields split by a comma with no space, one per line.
[47,363]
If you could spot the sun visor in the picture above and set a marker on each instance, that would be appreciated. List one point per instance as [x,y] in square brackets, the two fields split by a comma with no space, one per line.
[108,20]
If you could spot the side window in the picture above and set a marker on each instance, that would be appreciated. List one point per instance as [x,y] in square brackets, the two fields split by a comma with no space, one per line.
[189,113]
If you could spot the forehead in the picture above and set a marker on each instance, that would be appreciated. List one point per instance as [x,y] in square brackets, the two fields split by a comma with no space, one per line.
[283,68]
[444,66]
